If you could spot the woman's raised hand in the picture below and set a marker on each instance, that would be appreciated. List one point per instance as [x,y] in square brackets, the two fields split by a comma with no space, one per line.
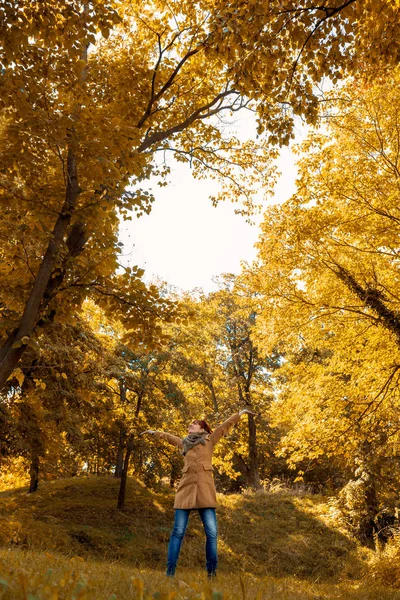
[148,431]
[246,411]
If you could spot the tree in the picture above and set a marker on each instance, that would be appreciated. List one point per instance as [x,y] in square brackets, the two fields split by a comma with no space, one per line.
[331,250]
[52,398]
[220,372]
[327,283]
[71,110]
[91,95]
[242,362]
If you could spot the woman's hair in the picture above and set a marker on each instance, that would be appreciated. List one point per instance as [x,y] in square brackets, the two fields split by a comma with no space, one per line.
[203,424]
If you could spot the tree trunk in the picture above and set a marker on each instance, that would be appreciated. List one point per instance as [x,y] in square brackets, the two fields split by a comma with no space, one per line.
[371,501]
[174,473]
[13,347]
[124,476]
[252,474]
[34,472]
[122,391]
[119,463]
[242,465]
[365,482]
[213,396]
[139,403]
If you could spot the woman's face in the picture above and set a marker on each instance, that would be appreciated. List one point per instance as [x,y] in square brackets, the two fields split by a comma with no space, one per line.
[194,427]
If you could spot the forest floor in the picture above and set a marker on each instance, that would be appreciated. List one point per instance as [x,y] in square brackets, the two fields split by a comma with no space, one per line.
[68,541]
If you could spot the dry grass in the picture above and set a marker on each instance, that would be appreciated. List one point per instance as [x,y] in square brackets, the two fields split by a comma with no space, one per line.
[28,575]
[69,541]
[384,567]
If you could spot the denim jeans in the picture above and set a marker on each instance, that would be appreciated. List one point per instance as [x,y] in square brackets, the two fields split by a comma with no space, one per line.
[209,519]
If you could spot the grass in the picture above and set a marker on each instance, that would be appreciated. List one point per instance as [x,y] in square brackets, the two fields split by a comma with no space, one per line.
[68,541]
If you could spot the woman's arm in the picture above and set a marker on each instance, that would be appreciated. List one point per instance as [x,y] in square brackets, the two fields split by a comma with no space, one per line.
[226,425]
[224,428]
[167,437]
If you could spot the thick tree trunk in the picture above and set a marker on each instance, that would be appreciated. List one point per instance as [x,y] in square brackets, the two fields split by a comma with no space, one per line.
[253,473]
[365,490]
[13,347]
[371,501]
[34,472]
[244,371]
[124,476]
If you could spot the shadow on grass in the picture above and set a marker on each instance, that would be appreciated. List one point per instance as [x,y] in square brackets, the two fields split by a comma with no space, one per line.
[261,534]
[78,517]
[274,534]
[284,535]
[12,491]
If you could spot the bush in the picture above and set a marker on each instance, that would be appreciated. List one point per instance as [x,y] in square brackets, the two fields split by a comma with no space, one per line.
[385,564]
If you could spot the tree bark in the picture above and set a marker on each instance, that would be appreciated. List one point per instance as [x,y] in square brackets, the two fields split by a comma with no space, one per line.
[371,298]
[13,348]
[174,473]
[367,527]
[124,476]
[243,466]
[213,396]
[244,376]
[119,463]
[139,403]
[34,472]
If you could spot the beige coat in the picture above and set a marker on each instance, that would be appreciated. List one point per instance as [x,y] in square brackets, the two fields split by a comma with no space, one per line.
[196,488]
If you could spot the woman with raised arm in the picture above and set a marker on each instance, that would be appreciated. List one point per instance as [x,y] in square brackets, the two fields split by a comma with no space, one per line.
[196,489]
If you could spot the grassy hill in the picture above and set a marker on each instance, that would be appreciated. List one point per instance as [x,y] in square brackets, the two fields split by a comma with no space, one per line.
[69,541]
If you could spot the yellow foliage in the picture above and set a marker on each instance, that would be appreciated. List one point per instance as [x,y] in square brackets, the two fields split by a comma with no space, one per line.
[18,375]
[328,277]
[384,567]
[90,95]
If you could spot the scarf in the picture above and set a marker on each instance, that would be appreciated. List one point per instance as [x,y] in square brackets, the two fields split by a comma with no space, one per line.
[192,440]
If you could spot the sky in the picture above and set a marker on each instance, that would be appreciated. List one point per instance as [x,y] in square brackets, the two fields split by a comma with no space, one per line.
[185,240]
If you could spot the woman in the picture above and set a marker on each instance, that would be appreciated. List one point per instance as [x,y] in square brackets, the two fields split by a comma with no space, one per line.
[196,489]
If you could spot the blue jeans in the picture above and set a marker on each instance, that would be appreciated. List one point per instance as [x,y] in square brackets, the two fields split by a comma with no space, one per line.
[209,519]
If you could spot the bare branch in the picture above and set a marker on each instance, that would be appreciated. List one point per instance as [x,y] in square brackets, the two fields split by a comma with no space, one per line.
[201,113]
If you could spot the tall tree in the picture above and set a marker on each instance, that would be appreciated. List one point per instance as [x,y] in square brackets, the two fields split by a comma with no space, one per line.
[247,370]
[331,250]
[327,280]
[92,93]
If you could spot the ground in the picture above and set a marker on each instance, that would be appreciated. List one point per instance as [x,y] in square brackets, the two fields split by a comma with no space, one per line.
[68,541]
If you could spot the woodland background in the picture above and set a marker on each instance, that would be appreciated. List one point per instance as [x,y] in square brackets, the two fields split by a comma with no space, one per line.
[94,99]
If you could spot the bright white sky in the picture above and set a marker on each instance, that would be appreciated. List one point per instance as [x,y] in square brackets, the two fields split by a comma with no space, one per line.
[185,240]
